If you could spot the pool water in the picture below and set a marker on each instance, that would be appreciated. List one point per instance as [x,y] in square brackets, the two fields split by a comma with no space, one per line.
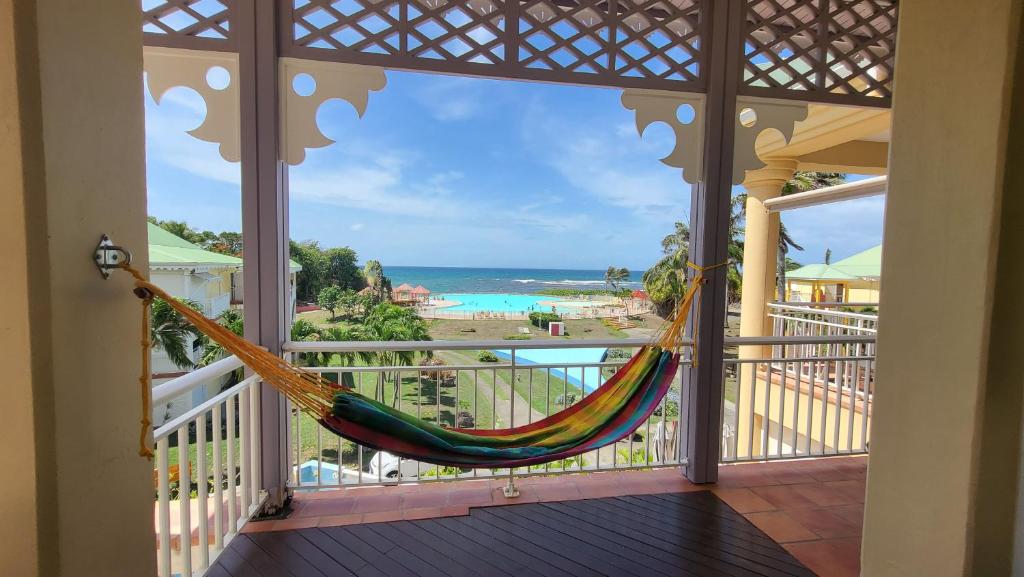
[586,378]
[506,303]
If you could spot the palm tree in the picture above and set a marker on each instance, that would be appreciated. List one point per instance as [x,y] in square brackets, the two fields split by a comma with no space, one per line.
[665,282]
[388,322]
[801,182]
[231,319]
[375,279]
[170,332]
[614,276]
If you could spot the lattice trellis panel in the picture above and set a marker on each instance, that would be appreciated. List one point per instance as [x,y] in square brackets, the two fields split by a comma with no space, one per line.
[823,50]
[202,24]
[613,42]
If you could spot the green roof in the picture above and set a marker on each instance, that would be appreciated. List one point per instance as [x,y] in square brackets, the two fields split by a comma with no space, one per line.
[866,264]
[166,249]
[863,264]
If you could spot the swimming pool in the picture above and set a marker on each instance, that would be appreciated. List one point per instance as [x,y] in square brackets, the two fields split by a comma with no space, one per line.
[509,303]
[589,378]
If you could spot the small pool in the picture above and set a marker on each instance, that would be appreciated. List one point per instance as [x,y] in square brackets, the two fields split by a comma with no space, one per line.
[509,303]
[585,377]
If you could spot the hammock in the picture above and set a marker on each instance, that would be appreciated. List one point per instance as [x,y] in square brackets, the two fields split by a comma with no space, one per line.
[605,416]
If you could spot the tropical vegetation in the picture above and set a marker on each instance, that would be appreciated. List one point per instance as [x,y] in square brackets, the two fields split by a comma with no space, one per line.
[665,282]
[170,332]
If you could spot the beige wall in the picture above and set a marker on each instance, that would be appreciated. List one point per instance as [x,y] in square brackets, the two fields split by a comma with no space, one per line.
[951,106]
[77,499]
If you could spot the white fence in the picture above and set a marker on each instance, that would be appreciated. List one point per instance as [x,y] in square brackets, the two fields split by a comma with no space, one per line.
[214,448]
[812,404]
[819,320]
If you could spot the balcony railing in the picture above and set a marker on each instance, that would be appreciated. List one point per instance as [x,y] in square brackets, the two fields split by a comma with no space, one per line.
[775,406]
[819,320]
[812,404]
[466,392]
[214,448]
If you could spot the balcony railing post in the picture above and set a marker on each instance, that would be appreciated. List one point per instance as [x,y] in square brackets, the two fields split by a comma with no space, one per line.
[264,222]
[710,204]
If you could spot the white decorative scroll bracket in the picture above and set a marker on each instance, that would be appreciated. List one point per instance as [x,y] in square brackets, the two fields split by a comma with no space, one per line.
[167,68]
[664,106]
[349,82]
[754,116]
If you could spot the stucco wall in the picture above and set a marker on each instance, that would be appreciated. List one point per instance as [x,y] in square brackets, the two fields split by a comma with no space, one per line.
[72,154]
[948,150]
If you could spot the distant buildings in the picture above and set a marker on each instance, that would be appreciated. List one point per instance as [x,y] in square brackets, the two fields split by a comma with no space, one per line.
[855,279]
[214,280]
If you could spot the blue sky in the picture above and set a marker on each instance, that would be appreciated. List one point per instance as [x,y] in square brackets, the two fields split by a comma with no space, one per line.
[452,171]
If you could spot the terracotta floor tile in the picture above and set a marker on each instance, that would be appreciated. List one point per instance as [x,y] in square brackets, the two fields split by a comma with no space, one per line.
[852,513]
[558,492]
[826,522]
[480,496]
[422,513]
[829,558]
[855,490]
[454,510]
[783,497]
[780,527]
[428,499]
[742,500]
[825,496]
[256,527]
[375,503]
[298,523]
[339,520]
[382,516]
[324,507]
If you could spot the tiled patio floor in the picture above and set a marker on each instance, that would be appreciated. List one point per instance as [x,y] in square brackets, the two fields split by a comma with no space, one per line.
[814,508]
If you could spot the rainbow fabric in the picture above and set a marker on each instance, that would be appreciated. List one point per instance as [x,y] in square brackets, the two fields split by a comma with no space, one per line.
[605,416]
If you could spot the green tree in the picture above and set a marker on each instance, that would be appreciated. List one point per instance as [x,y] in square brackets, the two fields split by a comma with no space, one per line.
[388,322]
[373,273]
[348,302]
[665,282]
[828,256]
[226,243]
[342,269]
[313,277]
[233,320]
[613,277]
[329,298]
[172,333]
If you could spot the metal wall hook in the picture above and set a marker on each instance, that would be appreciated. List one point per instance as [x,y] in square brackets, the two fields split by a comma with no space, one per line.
[109,256]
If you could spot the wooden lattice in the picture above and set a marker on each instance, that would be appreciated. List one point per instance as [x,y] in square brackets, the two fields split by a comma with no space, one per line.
[592,41]
[187,23]
[841,50]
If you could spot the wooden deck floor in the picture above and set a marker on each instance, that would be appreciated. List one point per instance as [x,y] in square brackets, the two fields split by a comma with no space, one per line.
[692,533]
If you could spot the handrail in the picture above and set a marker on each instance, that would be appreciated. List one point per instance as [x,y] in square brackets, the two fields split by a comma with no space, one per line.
[172,425]
[823,305]
[803,309]
[808,340]
[821,323]
[358,346]
[185,383]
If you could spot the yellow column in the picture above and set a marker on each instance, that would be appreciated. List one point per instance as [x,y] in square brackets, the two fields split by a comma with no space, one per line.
[760,252]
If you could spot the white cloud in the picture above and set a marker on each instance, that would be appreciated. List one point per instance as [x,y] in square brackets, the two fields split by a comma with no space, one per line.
[452,99]
[610,162]
[357,226]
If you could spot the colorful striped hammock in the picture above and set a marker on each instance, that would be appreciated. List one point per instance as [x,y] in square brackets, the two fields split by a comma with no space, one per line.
[609,414]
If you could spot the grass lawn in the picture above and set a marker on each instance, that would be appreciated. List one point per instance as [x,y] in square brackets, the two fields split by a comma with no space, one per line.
[461,330]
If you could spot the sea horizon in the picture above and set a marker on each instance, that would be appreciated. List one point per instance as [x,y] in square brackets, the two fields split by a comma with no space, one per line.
[502,280]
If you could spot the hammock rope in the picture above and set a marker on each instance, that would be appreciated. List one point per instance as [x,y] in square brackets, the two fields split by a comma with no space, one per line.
[605,416]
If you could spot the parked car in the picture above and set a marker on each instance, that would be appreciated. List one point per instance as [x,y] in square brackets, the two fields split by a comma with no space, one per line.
[386,466]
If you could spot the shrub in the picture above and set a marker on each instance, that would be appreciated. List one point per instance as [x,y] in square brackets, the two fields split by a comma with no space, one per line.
[517,337]
[543,319]
[487,357]
[566,400]
[465,420]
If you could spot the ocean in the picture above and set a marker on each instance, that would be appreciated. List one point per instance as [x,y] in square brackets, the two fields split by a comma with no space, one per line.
[501,280]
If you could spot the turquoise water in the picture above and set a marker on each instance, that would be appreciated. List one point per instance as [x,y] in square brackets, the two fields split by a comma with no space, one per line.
[503,302]
[502,280]
[586,378]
